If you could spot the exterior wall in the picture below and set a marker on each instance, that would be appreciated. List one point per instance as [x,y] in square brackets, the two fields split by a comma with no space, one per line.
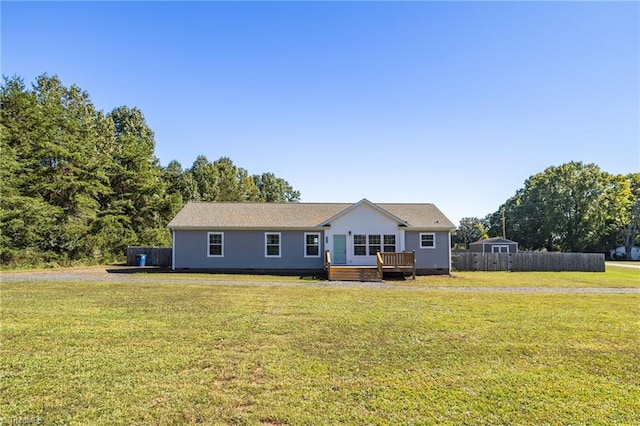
[513,248]
[362,220]
[430,260]
[245,250]
[488,247]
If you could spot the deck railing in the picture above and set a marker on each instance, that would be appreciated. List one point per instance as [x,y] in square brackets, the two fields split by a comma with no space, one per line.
[397,261]
[327,263]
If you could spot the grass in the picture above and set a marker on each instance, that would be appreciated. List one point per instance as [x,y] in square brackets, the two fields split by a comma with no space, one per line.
[613,278]
[162,353]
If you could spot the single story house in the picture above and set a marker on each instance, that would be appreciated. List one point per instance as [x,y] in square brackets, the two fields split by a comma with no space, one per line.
[494,245]
[292,238]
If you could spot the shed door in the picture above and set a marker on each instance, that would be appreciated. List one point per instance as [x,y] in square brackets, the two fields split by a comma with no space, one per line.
[340,249]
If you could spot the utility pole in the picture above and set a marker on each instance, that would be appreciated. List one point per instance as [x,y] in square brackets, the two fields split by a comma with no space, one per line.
[504,232]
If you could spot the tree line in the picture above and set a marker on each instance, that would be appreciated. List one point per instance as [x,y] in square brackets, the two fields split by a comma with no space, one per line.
[80,185]
[573,207]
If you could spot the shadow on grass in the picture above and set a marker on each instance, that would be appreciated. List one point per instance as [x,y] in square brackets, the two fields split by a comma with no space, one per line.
[139,270]
[132,270]
[397,276]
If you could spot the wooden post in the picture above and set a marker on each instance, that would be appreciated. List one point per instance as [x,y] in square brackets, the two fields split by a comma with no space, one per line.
[327,264]
[414,265]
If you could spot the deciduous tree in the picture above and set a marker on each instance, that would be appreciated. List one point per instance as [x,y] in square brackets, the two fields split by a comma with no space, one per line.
[568,208]
[77,184]
[471,229]
[273,189]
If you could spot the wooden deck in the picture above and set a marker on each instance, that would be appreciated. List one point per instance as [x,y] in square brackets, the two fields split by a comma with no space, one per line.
[386,262]
[354,273]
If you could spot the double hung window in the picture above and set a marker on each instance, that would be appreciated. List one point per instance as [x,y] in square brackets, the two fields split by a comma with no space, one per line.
[371,244]
[428,240]
[359,245]
[374,244]
[272,244]
[215,244]
[389,243]
[311,244]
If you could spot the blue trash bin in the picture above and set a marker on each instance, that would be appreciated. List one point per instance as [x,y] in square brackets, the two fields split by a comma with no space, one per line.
[141,259]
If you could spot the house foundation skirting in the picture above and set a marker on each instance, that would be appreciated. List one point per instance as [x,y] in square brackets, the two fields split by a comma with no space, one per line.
[293,272]
[432,271]
[282,272]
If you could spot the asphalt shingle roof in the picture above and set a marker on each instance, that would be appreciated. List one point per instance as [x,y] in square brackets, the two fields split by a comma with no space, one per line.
[203,215]
[493,240]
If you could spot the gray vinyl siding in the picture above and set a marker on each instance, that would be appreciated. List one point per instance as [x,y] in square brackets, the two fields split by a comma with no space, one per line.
[244,250]
[429,258]
[488,247]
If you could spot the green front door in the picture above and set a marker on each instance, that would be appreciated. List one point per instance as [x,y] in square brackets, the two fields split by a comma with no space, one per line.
[340,249]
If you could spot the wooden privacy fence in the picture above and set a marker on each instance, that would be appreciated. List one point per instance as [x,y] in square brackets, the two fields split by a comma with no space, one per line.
[482,261]
[528,261]
[156,256]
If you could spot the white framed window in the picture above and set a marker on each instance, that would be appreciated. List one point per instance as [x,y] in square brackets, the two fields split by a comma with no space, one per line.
[374,244]
[428,240]
[359,245]
[389,243]
[311,244]
[215,244]
[500,249]
[272,244]
[371,244]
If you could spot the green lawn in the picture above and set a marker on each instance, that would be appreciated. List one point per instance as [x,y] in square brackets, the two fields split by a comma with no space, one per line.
[161,353]
[615,277]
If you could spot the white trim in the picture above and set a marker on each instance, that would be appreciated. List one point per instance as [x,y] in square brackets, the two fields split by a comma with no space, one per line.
[427,247]
[304,248]
[353,245]
[209,244]
[173,249]
[367,243]
[499,246]
[370,204]
[449,250]
[395,241]
[279,244]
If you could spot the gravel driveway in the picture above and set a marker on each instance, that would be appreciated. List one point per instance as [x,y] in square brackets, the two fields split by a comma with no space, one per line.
[623,265]
[140,275]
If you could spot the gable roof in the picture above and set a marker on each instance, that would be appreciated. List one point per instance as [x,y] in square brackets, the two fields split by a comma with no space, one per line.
[229,215]
[366,202]
[494,240]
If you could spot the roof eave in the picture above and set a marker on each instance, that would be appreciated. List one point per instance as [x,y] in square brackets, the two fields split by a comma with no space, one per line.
[245,228]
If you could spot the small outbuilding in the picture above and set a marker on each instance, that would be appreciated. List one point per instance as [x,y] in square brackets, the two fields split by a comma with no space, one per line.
[494,245]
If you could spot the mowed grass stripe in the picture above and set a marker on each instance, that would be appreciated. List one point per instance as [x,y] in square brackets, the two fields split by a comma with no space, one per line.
[92,353]
[615,277]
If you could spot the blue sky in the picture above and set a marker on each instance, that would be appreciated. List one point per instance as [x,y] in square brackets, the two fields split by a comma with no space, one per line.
[455,103]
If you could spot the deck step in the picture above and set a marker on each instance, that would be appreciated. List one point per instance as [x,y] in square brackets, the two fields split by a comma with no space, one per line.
[354,273]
